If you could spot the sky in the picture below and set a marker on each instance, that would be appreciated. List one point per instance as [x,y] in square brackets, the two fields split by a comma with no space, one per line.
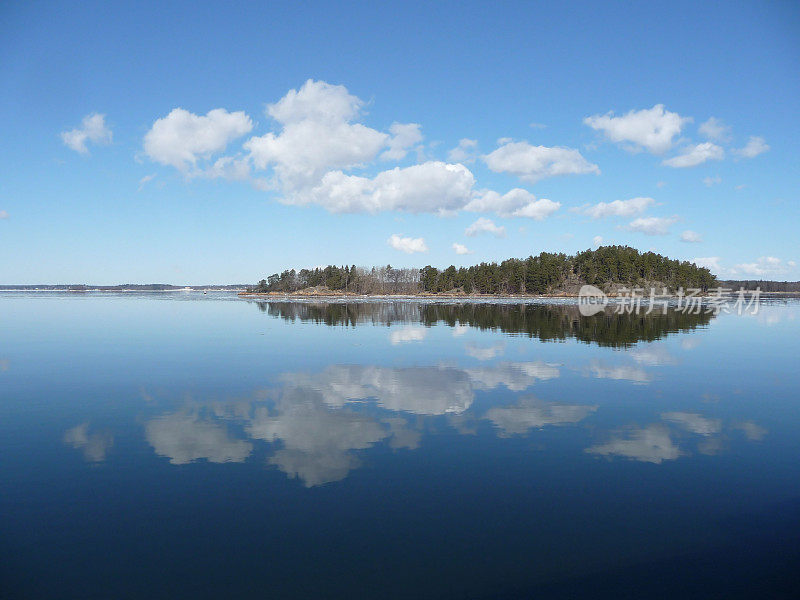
[195,142]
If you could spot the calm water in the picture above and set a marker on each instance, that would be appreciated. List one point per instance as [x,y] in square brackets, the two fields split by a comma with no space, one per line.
[191,446]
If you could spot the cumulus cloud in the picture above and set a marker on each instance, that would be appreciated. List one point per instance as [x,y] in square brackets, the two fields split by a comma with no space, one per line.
[461,249]
[484,225]
[617,208]
[696,155]
[765,266]
[531,413]
[649,444]
[709,262]
[532,163]
[652,225]
[182,138]
[755,146]
[407,244]
[433,186]
[709,181]
[185,438]
[715,130]
[404,136]
[465,152]
[318,135]
[317,143]
[515,203]
[651,129]
[691,237]
[597,241]
[93,129]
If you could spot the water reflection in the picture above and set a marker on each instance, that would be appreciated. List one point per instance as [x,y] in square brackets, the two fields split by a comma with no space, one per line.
[185,437]
[547,322]
[318,426]
[530,413]
[94,445]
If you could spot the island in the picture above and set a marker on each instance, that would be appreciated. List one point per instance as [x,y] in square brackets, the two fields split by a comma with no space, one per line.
[612,269]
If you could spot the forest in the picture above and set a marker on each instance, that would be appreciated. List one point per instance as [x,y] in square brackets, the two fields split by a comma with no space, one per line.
[546,273]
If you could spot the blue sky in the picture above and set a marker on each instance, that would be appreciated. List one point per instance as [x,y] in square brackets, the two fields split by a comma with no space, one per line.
[218,143]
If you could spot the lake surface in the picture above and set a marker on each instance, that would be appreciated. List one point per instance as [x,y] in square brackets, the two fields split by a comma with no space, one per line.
[180,445]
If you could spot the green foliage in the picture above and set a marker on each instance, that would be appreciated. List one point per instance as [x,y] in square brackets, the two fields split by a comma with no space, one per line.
[546,273]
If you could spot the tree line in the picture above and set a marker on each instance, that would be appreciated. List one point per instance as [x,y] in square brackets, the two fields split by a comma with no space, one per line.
[546,273]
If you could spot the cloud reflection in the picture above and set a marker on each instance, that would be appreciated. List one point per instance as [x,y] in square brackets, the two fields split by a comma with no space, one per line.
[407,334]
[531,413]
[185,438]
[648,444]
[94,446]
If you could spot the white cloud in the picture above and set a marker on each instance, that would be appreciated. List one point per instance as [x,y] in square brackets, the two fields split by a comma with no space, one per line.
[597,241]
[715,130]
[461,249]
[755,146]
[709,181]
[652,225]
[434,187]
[765,266]
[653,129]
[532,163]
[617,208]
[465,152]
[182,137]
[93,129]
[407,244]
[709,262]
[484,225]
[317,135]
[696,155]
[515,203]
[404,335]
[404,136]
[145,180]
[691,236]
[649,444]
[3,214]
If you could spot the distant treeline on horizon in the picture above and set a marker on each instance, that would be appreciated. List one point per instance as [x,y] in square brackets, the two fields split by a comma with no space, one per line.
[139,287]
[546,273]
[762,284]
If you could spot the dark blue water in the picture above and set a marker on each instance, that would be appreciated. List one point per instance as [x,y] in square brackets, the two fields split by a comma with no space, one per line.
[191,446]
